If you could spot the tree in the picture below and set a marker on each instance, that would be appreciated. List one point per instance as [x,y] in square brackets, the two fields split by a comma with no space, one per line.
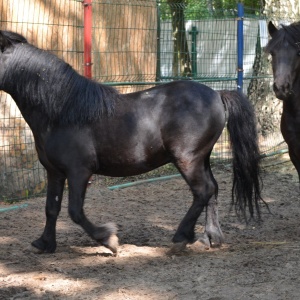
[181,57]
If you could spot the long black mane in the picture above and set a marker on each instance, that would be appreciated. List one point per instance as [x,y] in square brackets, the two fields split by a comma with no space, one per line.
[50,85]
[289,34]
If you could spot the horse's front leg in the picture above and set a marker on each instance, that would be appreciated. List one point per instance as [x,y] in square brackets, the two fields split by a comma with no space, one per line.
[295,156]
[47,242]
[104,234]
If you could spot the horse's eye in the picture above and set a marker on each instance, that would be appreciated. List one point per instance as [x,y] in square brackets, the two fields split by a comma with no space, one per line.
[298,53]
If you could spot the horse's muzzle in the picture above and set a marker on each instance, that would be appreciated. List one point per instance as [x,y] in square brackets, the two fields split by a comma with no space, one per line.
[282,91]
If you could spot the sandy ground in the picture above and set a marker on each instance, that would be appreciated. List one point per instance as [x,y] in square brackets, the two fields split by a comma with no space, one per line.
[257,262]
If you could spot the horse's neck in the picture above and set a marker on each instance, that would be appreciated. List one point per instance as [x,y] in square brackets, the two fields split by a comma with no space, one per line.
[28,81]
[291,106]
[36,119]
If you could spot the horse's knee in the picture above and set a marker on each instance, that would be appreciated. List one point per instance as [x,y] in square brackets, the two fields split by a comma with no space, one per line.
[52,209]
[52,212]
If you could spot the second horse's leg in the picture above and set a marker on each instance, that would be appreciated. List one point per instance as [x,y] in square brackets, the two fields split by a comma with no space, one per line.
[104,234]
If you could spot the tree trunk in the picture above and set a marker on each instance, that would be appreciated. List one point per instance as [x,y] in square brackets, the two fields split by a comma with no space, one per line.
[181,57]
[261,95]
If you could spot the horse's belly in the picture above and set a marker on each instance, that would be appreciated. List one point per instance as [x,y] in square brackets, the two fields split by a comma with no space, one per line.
[129,166]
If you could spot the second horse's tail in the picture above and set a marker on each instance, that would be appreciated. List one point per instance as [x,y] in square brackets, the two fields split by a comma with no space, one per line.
[246,190]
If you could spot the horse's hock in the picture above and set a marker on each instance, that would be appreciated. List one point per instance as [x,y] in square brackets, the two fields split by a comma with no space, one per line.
[17,153]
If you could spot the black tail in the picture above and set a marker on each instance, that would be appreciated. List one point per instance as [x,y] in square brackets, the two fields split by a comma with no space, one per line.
[246,190]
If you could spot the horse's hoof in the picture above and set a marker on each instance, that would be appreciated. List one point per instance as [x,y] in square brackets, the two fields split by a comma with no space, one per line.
[43,246]
[177,248]
[34,250]
[106,235]
[205,241]
[212,238]
[112,244]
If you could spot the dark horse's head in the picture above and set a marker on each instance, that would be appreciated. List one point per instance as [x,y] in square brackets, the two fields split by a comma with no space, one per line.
[284,48]
[7,40]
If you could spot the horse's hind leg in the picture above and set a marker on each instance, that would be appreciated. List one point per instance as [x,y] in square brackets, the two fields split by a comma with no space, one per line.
[47,242]
[204,188]
[213,235]
[105,234]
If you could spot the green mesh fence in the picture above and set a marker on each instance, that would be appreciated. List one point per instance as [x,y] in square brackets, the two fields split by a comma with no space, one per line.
[136,44]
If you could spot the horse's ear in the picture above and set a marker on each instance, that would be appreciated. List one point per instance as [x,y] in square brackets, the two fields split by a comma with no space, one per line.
[271,28]
[4,42]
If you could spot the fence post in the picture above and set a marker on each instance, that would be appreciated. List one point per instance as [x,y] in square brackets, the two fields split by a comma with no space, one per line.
[240,46]
[194,33]
[158,66]
[87,4]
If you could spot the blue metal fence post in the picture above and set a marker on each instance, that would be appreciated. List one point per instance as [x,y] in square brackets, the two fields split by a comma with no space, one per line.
[240,46]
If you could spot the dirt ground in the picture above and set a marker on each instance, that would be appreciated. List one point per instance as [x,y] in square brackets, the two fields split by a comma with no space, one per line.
[257,262]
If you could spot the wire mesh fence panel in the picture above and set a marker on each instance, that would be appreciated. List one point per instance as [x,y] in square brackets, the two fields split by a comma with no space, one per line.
[51,25]
[125,43]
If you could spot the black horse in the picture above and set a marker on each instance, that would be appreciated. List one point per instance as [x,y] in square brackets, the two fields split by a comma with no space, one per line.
[82,127]
[284,48]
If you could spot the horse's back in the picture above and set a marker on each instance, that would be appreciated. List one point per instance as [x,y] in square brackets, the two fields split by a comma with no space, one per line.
[184,116]
[178,100]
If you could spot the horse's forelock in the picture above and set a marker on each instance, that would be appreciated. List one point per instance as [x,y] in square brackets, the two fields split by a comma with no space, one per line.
[289,34]
[14,37]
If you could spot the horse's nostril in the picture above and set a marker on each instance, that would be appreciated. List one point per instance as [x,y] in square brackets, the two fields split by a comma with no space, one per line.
[282,90]
[282,87]
[288,87]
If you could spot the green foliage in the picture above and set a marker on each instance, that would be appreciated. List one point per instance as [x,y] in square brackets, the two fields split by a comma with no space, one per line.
[195,9]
